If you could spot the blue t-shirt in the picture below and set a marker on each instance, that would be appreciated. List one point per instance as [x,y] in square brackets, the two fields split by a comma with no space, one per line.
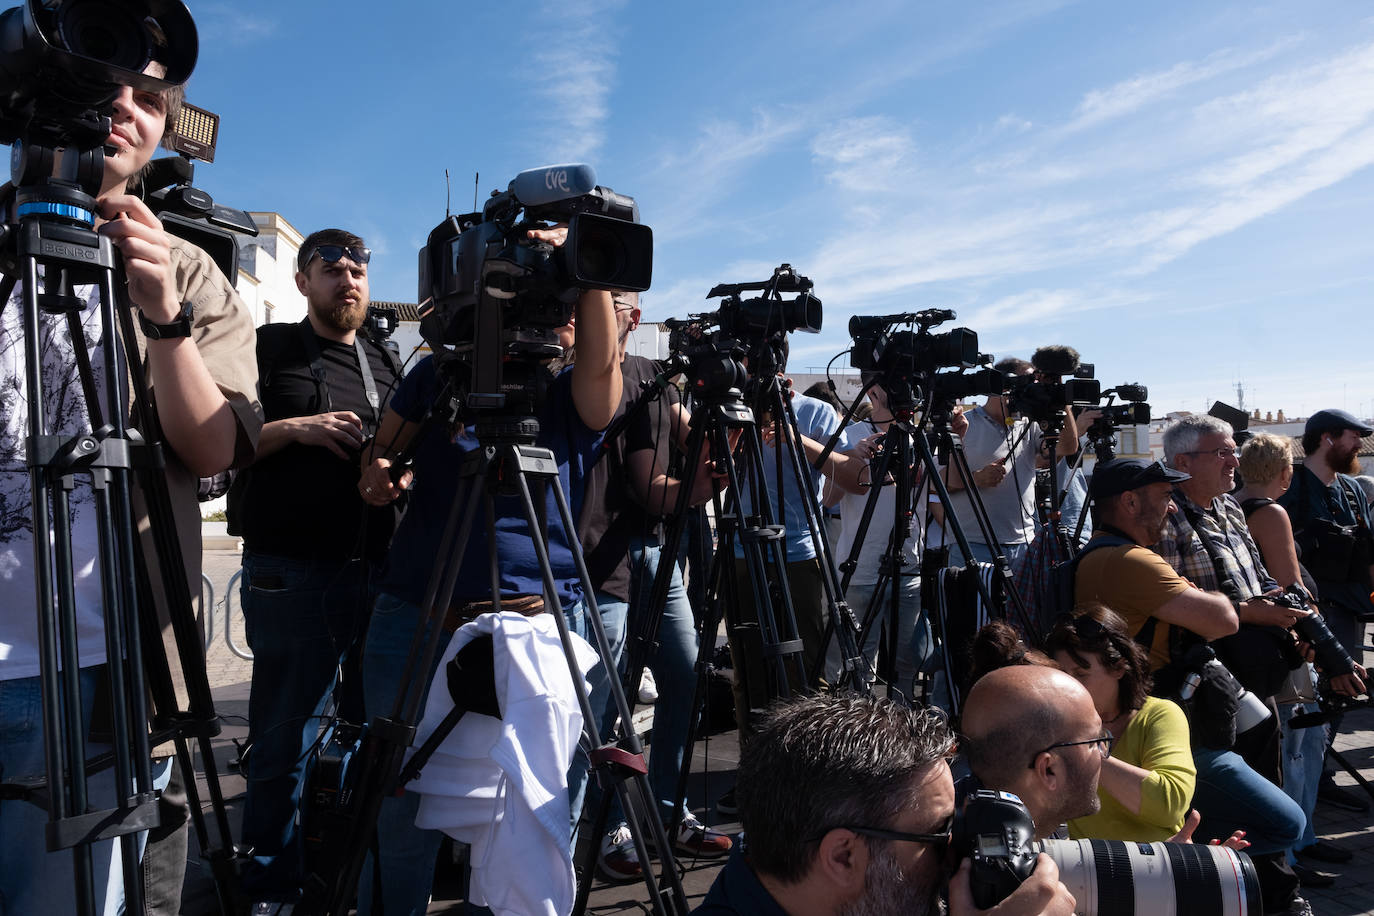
[438,462]
[817,420]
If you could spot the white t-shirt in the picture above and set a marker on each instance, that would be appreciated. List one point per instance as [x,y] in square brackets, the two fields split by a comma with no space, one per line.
[65,414]
[875,543]
[1010,504]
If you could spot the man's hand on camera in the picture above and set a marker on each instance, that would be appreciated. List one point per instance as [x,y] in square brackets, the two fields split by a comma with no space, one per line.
[1041,893]
[1263,612]
[376,486]
[554,235]
[340,431]
[147,252]
[1351,685]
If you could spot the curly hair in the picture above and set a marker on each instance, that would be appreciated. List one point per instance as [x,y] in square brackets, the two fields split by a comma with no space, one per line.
[1097,629]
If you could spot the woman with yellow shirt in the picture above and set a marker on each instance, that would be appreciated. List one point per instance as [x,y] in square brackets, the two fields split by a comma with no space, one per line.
[1148,781]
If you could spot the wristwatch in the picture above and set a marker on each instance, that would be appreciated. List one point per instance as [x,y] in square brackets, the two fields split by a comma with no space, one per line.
[179,327]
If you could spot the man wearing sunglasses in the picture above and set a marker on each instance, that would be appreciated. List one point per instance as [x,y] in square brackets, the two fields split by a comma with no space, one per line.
[848,804]
[310,540]
[1033,731]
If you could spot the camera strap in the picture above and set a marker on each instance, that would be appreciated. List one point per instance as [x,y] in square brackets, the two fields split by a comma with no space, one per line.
[312,353]
[1224,577]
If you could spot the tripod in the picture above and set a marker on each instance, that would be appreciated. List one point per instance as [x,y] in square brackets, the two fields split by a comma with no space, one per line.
[507,464]
[72,441]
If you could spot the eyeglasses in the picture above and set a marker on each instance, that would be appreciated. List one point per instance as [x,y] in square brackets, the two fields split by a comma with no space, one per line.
[331,253]
[939,840]
[623,305]
[1102,743]
[1223,452]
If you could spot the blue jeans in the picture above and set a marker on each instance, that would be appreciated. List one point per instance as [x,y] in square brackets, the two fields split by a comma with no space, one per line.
[673,663]
[914,642]
[1303,751]
[300,618]
[407,853]
[1015,553]
[1230,796]
[33,880]
[614,613]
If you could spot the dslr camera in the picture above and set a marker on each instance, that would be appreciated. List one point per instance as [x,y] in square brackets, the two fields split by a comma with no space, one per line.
[995,831]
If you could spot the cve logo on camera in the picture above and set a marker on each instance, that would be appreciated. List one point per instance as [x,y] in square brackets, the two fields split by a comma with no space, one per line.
[556,180]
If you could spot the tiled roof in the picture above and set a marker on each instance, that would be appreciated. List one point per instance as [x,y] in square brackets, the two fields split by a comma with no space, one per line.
[405,311]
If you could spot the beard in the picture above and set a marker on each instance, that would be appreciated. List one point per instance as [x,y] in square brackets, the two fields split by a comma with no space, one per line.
[888,891]
[1346,461]
[341,315]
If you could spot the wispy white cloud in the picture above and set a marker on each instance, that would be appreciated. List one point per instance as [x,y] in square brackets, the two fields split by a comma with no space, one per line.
[572,85]
[1131,95]
[231,23]
[865,154]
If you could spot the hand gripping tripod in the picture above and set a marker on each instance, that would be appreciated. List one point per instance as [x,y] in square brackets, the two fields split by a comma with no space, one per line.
[53,250]
[507,464]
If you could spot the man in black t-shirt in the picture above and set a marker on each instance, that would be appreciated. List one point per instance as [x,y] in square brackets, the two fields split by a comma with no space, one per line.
[309,540]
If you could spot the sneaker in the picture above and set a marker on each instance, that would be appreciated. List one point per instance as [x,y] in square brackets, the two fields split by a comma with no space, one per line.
[726,803]
[1341,797]
[617,858]
[1298,907]
[648,688]
[696,839]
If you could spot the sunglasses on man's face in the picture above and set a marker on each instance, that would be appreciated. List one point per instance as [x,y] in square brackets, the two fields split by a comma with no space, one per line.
[331,253]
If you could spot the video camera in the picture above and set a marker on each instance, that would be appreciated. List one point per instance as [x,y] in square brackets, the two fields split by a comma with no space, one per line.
[909,361]
[1134,412]
[62,64]
[995,831]
[1043,396]
[490,297]
[711,347]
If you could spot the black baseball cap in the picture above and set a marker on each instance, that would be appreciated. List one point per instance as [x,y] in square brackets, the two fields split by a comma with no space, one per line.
[1122,474]
[1334,420]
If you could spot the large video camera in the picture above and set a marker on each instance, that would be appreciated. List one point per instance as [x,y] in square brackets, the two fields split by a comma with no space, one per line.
[1134,411]
[995,831]
[908,361]
[1044,395]
[711,348]
[62,64]
[491,298]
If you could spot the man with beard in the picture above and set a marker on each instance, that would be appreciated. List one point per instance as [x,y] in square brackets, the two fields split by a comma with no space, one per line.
[310,542]
[1032,730]
[1331,523]
[848,804]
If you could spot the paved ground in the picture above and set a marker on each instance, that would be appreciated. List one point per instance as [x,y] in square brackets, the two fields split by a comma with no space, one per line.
[713,768]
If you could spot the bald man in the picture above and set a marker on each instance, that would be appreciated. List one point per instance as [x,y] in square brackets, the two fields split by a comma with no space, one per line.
[1033,731]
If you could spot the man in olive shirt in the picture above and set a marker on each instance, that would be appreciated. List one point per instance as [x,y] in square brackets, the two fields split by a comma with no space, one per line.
[1132,498]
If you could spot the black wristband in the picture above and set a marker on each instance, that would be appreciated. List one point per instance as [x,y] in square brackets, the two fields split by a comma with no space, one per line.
[179,327]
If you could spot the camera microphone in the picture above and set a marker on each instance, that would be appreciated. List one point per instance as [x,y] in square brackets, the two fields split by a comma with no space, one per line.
[552,183]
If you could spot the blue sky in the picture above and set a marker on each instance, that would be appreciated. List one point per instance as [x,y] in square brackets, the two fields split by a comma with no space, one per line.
[1180,190]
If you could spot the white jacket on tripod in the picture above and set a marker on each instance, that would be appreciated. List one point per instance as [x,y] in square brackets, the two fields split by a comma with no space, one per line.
[500,785]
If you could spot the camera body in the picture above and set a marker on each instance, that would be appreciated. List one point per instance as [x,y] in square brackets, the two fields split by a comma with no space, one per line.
[490,297]
[995,832]
[62,64]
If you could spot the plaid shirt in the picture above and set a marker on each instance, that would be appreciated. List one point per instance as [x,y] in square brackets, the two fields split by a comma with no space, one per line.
[1224,521]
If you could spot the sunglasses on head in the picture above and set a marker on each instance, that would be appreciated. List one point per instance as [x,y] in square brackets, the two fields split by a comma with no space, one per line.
[331,253]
